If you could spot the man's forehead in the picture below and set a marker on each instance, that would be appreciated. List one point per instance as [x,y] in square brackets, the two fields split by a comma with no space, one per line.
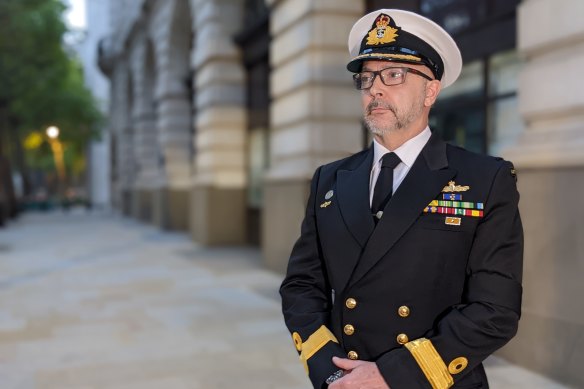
[381,64]
[374,64]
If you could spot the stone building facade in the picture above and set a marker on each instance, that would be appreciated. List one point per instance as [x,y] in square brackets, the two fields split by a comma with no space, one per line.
[98,151]
[221,110]
[549,156]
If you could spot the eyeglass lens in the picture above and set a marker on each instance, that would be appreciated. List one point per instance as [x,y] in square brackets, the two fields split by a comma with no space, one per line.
[389,76]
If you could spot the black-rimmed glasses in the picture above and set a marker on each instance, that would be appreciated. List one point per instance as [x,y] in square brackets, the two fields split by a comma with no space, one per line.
[389,76]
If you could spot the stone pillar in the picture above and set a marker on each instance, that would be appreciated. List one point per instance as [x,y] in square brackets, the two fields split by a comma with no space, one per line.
[120,123]
[126,169]
[315,113]
[549,159]
[171,207]
[172,32]
[144,123]
[218,197]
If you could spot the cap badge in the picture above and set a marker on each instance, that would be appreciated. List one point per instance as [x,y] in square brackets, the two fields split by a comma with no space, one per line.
[382,32]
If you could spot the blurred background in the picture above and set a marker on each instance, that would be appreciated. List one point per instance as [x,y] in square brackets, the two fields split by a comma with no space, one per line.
[207,119]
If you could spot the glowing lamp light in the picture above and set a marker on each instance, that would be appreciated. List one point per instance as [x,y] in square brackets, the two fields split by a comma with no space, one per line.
[53,132]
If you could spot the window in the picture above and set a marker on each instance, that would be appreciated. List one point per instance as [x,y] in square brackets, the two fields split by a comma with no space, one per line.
[459,113]
[480,111]
[505,123]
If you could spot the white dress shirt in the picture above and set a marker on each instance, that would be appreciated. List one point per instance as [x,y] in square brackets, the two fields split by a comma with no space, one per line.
[408,152]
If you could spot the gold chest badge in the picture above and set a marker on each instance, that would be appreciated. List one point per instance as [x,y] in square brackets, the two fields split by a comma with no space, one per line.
[452,187]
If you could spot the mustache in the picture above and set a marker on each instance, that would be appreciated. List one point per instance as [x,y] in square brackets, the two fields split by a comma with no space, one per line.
[379,104]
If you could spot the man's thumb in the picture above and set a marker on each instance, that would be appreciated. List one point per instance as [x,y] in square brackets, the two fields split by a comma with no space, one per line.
[345,364]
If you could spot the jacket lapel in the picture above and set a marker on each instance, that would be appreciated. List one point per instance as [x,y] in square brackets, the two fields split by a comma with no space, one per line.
[424,181]
[353,197]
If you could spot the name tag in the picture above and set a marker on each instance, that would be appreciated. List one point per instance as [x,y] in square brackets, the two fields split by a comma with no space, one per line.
[452,221]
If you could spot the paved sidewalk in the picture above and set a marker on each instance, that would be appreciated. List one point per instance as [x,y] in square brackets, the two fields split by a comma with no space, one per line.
[93,301]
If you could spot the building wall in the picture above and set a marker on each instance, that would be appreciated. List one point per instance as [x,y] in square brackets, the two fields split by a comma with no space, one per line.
[550,164]
[99,150]
[189,130]
[114,62]
[315,111]
[218,214]
[171,44]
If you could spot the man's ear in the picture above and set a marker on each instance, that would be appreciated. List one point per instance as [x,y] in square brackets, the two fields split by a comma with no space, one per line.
[432,90]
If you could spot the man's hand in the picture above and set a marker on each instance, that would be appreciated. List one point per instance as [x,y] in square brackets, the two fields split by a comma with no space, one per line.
[358,375]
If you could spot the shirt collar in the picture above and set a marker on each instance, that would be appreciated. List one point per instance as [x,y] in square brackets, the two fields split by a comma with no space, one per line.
[408,152]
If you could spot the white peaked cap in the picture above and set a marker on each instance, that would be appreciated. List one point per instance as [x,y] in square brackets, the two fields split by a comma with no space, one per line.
[413,39]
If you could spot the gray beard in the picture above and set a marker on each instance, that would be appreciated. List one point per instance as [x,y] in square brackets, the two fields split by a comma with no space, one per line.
[401,120]
[381,129]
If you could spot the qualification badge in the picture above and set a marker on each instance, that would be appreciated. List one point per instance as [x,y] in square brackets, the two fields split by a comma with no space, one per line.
[452,187]
[329,195]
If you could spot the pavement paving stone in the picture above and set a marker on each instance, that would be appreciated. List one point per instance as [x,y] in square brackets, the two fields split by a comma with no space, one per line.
[97,301]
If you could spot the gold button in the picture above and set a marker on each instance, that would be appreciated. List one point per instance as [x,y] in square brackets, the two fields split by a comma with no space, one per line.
[349,329]
[297,341]
[457,365]
[352,355]
[402,339]
[403,311]
[351,303]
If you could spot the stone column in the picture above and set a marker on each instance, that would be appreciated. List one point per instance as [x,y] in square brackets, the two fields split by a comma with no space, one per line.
[218,202]
[550,162]
[171,206]
[172,31]
[126,168]
[120,116]
[315,114]
[144,123]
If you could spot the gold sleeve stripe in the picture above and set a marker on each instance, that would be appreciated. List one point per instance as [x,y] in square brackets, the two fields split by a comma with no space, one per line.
[315,342]
[431,363]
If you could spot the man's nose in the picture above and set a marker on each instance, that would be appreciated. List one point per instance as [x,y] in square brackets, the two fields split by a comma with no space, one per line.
[376,88]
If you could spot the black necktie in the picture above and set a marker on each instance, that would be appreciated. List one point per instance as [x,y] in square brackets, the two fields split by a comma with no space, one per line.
[384,185]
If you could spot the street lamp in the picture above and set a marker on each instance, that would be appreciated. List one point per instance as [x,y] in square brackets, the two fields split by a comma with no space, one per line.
[57,148]
[53,132]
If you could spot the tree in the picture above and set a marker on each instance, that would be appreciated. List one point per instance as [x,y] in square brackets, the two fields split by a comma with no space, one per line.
[41,85]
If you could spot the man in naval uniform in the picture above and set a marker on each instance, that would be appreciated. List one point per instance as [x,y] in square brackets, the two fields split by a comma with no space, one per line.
[407,273]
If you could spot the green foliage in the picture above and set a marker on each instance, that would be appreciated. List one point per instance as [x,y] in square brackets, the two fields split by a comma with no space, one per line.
[40,84]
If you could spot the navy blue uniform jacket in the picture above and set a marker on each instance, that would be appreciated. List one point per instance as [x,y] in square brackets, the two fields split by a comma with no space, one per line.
[460,283]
